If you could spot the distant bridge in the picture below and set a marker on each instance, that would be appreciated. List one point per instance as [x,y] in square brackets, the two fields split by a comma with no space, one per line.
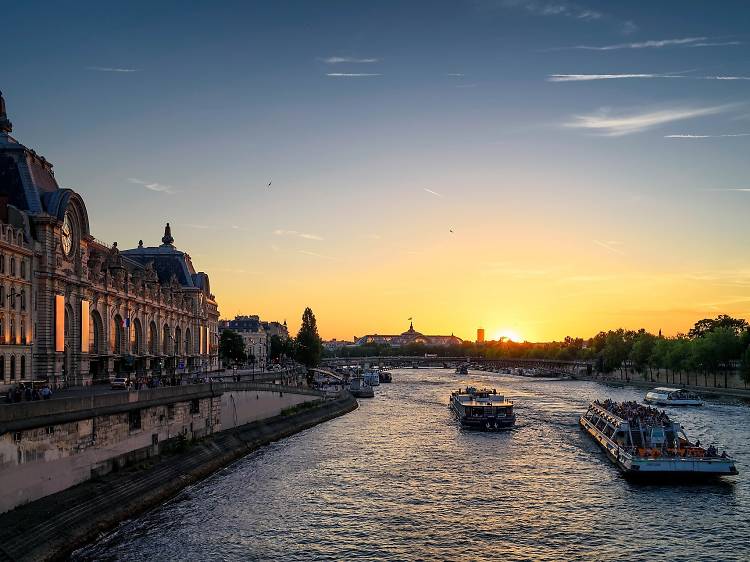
[551,366]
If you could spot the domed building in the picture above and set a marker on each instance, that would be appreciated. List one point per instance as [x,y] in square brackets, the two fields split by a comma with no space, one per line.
[410,336]
[73,309]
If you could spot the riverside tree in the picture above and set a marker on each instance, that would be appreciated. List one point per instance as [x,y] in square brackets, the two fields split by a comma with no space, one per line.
[309,346]
[232,348]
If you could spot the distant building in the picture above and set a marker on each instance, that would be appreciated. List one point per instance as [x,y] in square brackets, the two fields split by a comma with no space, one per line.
[250,328]
[480,335]
[335,345]
[256,334]
[410,336]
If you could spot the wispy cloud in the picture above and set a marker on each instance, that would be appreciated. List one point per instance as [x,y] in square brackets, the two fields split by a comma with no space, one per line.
[739,189]
[352,74]
[590,77]
[455,74]
[611,245]
[354,60]
[654,44]
[607,124]
[317,255]
[111,69]
[155,186]
[560,8]
[306,236]
[554,8]
[435,193]
[691,136]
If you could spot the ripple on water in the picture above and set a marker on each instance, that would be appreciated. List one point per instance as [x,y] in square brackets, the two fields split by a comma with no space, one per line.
[398,479]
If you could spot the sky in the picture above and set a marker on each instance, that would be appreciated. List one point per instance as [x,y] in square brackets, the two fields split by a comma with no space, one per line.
[540,168]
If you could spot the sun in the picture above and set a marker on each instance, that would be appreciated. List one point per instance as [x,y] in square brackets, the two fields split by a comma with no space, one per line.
[508,334]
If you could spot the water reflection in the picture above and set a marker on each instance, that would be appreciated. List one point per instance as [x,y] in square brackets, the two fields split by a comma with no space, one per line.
[400,480]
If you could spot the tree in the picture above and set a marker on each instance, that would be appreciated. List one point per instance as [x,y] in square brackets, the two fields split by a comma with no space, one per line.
[309,346]
[232,347]
[277,347]
[745,365]
[707,325]
[640,354]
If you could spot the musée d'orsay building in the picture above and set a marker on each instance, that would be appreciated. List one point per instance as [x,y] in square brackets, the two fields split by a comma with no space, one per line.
[72,308]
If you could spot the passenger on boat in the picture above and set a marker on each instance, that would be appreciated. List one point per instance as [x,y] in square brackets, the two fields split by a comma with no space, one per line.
[636,414]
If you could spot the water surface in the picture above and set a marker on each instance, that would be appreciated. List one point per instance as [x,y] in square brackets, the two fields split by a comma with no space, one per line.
[398,479]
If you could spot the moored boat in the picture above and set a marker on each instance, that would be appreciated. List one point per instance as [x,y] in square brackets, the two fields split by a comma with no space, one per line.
[644,442]
[371,377]
[359,388]
[483,409]
[385,377]
[462,369]
[664,396]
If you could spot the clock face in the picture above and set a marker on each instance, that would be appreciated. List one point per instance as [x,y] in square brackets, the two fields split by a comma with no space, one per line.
[66,236]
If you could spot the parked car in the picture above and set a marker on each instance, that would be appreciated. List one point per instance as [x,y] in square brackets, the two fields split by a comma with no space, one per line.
[119,383]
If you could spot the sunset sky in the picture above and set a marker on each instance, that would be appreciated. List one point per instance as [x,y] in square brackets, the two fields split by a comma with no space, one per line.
[591,158]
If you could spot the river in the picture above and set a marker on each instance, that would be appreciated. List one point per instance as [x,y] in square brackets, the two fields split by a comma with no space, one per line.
[398,479]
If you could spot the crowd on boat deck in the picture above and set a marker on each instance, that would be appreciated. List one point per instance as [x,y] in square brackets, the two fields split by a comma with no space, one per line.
[636,414]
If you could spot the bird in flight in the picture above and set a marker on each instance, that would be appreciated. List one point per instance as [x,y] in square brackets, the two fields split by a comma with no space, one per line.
[269,184]
[451,231]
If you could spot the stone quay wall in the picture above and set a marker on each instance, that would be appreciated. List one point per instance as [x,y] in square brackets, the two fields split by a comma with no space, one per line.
[49,446]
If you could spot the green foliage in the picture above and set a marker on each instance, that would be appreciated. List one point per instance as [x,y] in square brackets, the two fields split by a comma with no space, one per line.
[308,345]
[232,348]
[704,327]
[745,365]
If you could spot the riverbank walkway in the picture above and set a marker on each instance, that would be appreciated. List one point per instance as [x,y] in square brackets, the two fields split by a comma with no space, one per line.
[51,527]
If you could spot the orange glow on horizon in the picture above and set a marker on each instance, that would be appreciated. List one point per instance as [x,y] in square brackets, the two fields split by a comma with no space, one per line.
[508,334]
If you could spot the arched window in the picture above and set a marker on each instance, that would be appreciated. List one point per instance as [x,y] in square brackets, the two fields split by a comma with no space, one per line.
[23,367]
[12,367]
[12,266]
[119,336]
[177,342]
[137,337]
[153,339]
[188,342]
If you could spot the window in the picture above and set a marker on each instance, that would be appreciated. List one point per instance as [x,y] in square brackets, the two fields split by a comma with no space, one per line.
[23,337]
[195,406]
[12,330]
[12,266]
[2,264]
[2,367]
[23,269]
[12,297]
[23,367]
[134,420]
[2,329]
[12,367]
[23,299]
[170,412]
[2,296]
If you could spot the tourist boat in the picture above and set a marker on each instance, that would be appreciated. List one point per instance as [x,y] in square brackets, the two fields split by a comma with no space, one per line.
[483,409]
[664,396]
[385,376]
[643,442]
[462,369]
[359,388]
[371,377]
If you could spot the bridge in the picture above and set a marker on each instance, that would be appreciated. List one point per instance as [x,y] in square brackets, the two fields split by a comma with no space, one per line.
[549,366]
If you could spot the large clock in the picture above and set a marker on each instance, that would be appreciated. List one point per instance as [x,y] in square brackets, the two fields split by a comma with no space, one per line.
[66,235]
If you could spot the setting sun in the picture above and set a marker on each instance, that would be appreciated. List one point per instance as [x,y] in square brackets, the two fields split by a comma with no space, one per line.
[511,335]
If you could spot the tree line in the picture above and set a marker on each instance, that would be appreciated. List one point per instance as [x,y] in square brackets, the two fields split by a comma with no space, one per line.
[713,347]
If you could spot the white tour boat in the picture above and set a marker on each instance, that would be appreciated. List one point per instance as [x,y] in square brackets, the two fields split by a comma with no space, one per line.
[664,396]
[643,442]
[359,388]
[371,377]
[483,409]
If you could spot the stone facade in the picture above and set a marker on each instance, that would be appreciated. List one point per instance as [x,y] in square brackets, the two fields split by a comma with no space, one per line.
[411,336]
[16,295]
[97,312]
[253,334]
